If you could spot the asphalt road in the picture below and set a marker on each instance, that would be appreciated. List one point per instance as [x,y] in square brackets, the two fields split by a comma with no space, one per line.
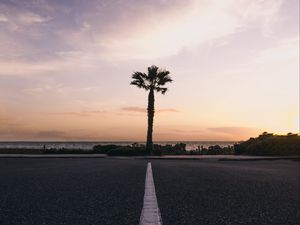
[71,191]
[224,193]
[110,191]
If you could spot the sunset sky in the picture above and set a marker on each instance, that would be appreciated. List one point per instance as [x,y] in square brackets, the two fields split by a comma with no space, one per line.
[65,68]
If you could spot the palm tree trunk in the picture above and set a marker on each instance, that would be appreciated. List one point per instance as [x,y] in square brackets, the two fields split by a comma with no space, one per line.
[149,144]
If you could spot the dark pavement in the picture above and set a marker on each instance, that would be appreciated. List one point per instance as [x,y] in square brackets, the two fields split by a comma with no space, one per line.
[71,191]
[248,192]
[110,191]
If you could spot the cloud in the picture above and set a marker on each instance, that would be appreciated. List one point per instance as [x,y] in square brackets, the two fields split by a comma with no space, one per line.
[83,113]
[68,114]
[19,67]
[16,67]
[168,110]
[8,124]
[87,33]
[283,51]
[3,18]
[263,13]
[176,28]
[143,110]
[29,18]
[13,128]
[134,109]
[187,133]
[233,131]
[51,134]
[58,89]
[19,133]
[22,13]
[57,135]
[99,43]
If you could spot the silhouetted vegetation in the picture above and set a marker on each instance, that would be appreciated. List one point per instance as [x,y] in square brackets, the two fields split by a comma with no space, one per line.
[117,150]
[213,150]
[135,149]
[160,150]
[103,149]
[20,151]
[177,149]
[153,81]
[127,151]
[67,151]
[268,144]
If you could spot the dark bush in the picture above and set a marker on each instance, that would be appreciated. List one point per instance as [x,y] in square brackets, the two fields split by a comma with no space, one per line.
[20,151]
[157,150]
[103,149]
[127,151]
[268,144]
[214,150]
[66,151]
[177,149]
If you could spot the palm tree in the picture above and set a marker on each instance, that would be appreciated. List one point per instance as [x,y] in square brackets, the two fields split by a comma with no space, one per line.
[153,81]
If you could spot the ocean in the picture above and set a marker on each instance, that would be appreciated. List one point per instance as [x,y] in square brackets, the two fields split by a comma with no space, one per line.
[88,145]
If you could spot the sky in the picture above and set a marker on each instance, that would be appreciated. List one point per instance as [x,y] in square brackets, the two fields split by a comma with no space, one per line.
[66,66]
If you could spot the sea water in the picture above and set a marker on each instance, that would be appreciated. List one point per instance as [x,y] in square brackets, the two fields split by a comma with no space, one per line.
[88,145]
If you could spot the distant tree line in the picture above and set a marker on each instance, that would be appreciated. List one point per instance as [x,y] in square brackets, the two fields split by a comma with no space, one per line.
[268,144]
[178,149]
[213,150]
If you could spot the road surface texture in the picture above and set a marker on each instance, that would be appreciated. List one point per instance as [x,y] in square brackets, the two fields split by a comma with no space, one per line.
[71,191]
[111,191]
[223,193]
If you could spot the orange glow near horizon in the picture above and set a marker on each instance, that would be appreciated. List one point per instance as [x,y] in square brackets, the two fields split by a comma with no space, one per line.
[66,69]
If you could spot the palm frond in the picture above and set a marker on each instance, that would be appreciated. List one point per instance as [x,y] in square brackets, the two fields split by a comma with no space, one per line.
[139,80]
[163,77]
[160,89]
[155,79]
[152,73]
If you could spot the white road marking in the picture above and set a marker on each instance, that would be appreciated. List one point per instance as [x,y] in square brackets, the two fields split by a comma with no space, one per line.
[150,213]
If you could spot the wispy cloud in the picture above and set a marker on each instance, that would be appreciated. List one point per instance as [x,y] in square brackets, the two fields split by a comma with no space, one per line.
[143,110]
[178,27]
[263,13]
[3,18]
[29,18]
[284,51]
[72,57]
[234,131]
[134,109]
[207,134]
[83,113]
[21,67]
[14,67]
[51,134]
[81,43]
[168,110]
[58,89]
